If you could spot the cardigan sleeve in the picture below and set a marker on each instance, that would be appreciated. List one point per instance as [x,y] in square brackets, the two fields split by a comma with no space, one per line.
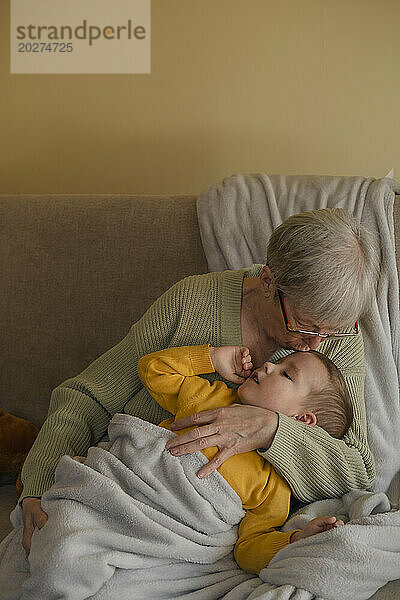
[82,407]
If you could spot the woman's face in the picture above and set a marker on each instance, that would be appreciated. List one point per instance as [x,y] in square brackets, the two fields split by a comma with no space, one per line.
[297,341]
[277,326]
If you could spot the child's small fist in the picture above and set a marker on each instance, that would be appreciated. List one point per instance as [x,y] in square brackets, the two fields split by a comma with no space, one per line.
[247,365]
[317,525]
[233,363]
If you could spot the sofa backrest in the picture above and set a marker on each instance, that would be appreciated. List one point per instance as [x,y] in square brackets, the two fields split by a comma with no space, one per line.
[76,272]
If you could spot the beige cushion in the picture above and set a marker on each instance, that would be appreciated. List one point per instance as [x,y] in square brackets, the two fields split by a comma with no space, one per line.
[76,272]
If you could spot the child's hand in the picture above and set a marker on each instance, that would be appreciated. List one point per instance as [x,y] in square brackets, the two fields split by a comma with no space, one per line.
[317,526]
[233,363]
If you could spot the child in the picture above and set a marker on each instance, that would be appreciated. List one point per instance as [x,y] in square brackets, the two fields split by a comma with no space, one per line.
[306,386]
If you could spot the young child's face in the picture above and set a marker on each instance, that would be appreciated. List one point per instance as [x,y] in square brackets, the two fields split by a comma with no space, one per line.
[282,386]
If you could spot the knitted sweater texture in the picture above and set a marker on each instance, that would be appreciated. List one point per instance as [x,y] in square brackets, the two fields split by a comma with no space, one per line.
[201,309]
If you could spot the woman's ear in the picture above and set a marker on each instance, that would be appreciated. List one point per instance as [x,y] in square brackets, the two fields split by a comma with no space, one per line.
[306,417]
[267,280]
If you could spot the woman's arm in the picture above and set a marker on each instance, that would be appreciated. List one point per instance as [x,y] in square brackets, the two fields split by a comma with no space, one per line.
[315,465]
[82,407]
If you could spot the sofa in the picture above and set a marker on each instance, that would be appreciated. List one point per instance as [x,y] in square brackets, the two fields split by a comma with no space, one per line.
[76,272]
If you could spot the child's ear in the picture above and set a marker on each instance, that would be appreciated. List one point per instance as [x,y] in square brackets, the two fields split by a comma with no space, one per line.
[306,417]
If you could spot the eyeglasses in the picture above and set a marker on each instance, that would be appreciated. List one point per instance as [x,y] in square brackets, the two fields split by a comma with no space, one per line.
[336,334]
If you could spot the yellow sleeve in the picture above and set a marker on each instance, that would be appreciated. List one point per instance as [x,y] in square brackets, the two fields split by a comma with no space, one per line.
[170,375]
[258,539]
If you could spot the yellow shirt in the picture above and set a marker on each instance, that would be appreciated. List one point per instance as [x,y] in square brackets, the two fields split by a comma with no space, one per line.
[170,376]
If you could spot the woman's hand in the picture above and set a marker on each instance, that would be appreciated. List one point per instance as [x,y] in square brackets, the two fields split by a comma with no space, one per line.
[233,363]
[33,516]
[234,429]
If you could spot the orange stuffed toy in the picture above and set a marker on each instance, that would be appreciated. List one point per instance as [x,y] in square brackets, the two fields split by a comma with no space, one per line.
[16,438]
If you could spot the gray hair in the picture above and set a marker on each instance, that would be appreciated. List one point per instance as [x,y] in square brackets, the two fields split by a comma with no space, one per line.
[327,262]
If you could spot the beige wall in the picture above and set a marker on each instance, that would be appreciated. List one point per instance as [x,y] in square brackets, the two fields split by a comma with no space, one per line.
[280,86]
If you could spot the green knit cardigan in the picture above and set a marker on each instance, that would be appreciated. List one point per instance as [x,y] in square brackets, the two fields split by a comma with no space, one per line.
[197,310]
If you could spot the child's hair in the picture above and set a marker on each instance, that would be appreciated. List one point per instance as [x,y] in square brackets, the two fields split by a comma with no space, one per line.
[331,404]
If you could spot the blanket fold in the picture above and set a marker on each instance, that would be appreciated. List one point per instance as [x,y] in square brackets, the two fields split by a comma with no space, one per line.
[350,562]
[133,521]
[134,517]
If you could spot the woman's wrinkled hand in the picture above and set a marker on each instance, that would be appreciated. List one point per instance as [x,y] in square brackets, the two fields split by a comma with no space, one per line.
[33,516]
[233,429]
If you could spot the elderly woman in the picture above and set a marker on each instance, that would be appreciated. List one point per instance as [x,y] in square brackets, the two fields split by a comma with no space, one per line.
[317,281]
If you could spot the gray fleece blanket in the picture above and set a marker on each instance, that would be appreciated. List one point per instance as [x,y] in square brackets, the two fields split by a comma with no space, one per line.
[236,218]
[133,522]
